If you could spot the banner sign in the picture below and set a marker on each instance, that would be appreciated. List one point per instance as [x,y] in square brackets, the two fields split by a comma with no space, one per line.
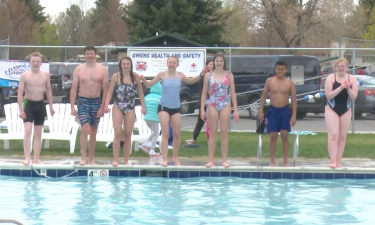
[10,72]
[149,62]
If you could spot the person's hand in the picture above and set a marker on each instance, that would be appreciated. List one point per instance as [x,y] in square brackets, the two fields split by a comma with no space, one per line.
[106,109]
[204,71]
[203,115]
[261,117]
[74,112]
[347,84]
[52,111]
[141,77]
[236,116]
[144,112]
[22,115]
[100,112]
[293,121]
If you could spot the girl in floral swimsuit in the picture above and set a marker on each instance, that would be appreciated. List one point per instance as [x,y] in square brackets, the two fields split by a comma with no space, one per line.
[219,82]
[126,85]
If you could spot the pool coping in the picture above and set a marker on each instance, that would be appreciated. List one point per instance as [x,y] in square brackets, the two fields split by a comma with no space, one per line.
[74,170]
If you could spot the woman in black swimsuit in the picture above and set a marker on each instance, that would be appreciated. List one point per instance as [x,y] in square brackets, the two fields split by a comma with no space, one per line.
[340,90]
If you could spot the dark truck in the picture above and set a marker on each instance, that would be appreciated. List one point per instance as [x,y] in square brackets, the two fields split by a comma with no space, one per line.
[61,78]
[251,72]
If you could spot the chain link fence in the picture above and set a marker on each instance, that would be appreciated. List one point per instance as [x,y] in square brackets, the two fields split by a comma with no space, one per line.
[251,67]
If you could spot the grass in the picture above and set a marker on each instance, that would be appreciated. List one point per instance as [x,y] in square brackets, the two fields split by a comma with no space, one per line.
[241,145]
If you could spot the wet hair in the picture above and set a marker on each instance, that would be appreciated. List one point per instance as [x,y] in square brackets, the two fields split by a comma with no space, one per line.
[172,56]
[340,60]
[208,61]
[132,77]
[281,63]
[89,48]
[36,54]
[219,54]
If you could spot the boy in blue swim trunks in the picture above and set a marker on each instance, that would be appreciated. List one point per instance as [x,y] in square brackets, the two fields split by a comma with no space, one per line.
[279,117]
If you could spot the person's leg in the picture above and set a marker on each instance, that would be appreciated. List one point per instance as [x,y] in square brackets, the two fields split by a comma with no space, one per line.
[28,126]
[129,119]
[94,106]
[83,115]
[154,127]
[176,129]
[273,141]
[273,128]
[343,131]
[213,118]
[285,143]
[164,124]
[198,126]
[37,143]
[332,123]
[224,126]
[117,117]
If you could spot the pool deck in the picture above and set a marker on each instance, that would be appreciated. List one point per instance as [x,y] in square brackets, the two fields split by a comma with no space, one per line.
[351,165]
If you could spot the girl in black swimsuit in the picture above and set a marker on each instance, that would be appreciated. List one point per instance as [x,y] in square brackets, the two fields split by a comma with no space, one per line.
[340,90]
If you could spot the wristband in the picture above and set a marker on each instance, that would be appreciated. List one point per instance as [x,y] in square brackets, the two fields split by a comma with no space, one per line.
[339,88]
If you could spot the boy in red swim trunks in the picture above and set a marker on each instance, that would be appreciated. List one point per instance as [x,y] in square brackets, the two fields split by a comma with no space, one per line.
[279,117]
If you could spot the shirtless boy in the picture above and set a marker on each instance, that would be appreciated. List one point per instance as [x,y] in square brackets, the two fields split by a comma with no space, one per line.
[90,77]
[279,117]
[32,107]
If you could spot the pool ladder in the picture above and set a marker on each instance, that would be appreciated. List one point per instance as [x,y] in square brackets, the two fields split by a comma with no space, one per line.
[295,150]
[10,221]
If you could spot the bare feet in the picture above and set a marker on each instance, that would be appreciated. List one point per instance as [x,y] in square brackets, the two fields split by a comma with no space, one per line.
[209,164]
[176,162]
[114,164]
[82,163]
[126,162]
[339,166]
[37,162]
[226,165]
[273,165]
[332,166]
[286,165]
[164,163]
[92,163]
[26,162]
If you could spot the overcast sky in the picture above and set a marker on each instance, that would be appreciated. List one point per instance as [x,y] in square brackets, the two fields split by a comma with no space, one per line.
[54,7]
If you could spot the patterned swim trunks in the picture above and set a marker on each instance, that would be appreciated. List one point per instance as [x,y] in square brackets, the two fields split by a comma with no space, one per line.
[87,111]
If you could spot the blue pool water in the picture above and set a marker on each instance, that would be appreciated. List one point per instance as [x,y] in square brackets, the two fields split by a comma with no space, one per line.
[186,201]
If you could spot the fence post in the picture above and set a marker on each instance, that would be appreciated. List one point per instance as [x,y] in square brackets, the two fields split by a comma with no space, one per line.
[106,57]
[353,102]
[339,42]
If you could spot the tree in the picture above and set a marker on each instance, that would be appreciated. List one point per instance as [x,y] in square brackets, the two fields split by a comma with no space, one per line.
[106,19]
[72,28]
[202,21]
[368,6]
[46,34]
[16,21]
[36,10]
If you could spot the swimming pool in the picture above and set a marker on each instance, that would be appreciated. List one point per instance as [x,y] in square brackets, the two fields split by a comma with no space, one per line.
[118,200]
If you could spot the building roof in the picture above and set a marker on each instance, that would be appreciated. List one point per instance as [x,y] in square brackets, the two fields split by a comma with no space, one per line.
[162,40]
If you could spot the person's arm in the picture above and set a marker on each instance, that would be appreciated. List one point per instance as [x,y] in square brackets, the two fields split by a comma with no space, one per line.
[263,99]
[204,92]
[190,80]
[140,91]
[105,86]
[233,96]
[293,95]
[151,82]
[328,88]
[73,89]
[49,93]
[353,91]
[21,88]
[110,90]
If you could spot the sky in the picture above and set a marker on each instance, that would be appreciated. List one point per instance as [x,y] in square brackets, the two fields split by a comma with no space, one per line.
[54,7]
